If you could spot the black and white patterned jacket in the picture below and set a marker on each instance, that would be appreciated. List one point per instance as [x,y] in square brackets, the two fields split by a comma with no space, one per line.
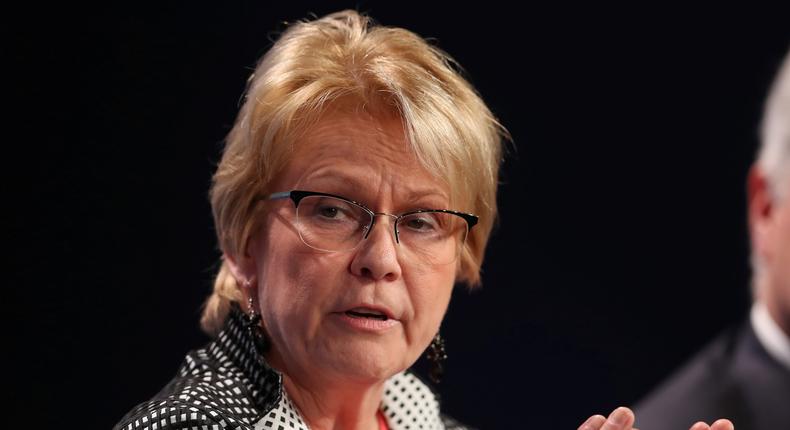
[226,386]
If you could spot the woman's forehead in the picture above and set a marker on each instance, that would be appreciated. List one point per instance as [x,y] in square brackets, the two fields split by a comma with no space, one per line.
[338,132]
[342,151]
[365,142]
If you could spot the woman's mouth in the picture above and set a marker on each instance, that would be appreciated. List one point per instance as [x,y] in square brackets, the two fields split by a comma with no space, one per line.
[368,318]
[366,313]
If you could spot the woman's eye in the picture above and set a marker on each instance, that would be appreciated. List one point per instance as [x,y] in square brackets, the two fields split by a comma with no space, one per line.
[329,212]
[420,224]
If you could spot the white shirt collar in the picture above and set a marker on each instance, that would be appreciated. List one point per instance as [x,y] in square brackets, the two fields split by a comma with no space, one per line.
[773,339]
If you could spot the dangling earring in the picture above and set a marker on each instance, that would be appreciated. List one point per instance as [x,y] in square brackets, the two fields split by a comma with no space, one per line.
[253,324]
[437,354]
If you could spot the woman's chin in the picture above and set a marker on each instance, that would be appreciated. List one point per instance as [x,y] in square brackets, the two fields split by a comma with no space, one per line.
[365,362]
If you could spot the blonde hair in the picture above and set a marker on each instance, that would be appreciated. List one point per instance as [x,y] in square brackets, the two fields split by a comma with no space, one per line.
[339,58]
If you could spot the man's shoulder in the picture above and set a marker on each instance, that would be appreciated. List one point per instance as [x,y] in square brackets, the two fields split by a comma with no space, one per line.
[452,424]
[717,382]
[693,389]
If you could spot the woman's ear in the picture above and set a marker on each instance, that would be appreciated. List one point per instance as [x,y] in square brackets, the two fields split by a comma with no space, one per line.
[243,266]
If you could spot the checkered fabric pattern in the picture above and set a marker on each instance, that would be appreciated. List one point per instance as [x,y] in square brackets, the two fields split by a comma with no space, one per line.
[227,385]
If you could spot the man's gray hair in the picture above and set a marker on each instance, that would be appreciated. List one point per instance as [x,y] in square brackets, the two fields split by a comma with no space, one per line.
[774,155]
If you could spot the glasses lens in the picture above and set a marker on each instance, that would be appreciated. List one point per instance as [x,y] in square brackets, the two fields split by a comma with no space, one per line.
[433,237]
[331,224]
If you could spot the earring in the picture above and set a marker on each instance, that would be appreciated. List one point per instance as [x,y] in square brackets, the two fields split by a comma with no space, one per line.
[437,354]
[253,324]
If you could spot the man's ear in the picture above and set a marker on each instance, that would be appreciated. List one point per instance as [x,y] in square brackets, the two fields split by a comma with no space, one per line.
[761,208]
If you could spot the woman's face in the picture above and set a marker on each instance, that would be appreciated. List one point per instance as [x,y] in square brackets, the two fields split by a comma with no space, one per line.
[305,294]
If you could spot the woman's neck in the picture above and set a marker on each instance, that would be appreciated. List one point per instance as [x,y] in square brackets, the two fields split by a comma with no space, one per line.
[340,405]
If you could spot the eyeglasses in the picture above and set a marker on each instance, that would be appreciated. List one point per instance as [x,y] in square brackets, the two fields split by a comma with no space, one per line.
[332,223]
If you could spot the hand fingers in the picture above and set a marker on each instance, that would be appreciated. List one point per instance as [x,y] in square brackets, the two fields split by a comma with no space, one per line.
[593,423]
[620,419]
[722,425]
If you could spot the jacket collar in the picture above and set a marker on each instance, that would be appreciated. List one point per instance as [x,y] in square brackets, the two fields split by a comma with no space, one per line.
[235,343]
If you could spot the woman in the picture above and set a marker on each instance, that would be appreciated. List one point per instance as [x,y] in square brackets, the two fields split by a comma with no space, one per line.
[356,187]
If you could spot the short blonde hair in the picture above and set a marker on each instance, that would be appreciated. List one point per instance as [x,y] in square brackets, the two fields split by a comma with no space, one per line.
[345,57]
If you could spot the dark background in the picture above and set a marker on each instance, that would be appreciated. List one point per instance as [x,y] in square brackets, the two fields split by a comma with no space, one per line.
[621,248]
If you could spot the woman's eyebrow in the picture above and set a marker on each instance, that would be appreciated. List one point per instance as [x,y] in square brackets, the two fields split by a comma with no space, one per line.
[333,175]
[352,182]
[435,198]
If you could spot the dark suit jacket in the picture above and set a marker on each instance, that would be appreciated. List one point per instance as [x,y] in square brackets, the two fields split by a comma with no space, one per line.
[734,377]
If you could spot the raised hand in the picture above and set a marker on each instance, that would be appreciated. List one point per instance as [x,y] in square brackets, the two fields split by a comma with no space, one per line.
[622,418]
[721,424]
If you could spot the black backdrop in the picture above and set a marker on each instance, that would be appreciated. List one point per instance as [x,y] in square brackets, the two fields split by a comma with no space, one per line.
[620,250]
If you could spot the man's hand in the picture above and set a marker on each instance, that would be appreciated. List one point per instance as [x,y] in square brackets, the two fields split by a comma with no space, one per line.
[623,419]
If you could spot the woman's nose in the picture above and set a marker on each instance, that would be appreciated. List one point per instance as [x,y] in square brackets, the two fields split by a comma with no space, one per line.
[377,255]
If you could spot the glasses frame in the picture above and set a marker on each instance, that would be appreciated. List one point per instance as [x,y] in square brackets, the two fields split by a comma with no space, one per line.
[296,196]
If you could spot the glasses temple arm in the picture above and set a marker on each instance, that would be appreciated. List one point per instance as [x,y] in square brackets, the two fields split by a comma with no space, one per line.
[278,196]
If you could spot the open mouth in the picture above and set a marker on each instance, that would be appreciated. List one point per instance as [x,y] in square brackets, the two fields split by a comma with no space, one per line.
[366,313]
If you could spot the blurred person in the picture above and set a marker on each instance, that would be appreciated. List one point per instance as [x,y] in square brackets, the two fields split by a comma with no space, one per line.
[745,373]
